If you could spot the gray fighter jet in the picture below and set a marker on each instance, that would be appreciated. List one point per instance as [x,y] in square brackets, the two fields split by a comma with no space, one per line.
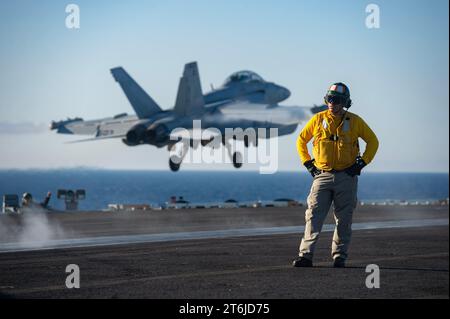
[244,101]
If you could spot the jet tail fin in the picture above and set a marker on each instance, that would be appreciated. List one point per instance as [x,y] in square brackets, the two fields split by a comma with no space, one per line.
[189,97]
[142,103]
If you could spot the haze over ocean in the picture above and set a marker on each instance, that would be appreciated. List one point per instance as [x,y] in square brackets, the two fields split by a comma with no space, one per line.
[155,187]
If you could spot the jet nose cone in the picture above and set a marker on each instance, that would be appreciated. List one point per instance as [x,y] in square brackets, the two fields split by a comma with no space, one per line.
[282,93]
[285,93]
[277,93]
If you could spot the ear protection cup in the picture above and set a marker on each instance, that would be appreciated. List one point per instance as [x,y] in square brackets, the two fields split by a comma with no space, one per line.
[349,103]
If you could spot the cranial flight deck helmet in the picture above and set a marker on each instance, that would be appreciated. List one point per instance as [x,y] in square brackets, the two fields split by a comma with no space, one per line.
[338,93]
[27,196]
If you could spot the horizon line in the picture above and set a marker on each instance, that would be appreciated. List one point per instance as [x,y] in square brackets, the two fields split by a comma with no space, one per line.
[87,168]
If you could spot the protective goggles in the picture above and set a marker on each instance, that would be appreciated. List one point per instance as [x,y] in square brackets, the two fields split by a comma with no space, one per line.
[336,100]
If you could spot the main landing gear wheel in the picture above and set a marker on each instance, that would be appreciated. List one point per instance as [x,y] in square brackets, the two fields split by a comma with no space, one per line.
[175,163]
[237,159]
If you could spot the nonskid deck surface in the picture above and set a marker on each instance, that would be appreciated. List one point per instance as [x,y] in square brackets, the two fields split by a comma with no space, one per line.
[232,253]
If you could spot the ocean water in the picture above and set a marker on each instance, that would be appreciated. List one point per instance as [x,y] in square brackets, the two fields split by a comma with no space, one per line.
[156,187]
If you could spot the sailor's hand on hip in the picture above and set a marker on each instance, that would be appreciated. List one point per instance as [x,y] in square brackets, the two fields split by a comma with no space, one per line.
[356,168]
[312,169]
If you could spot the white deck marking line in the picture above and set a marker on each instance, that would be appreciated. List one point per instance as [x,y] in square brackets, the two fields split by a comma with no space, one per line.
[226,233]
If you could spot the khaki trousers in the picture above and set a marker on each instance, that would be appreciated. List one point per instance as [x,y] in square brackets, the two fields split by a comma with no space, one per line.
[327,188]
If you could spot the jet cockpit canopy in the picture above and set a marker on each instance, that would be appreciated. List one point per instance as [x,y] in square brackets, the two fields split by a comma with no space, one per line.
[243,76]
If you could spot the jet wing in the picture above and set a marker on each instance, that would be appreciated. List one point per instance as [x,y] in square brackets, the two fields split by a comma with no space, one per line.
[77,126]
[97,138]
[265,113]
[112,127]
[288,115]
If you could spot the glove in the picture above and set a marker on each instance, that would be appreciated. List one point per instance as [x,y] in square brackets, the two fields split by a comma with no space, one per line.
[356,168]
[312,169]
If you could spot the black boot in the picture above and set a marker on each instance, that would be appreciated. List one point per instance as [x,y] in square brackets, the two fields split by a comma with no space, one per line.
[302,262]
[339,262]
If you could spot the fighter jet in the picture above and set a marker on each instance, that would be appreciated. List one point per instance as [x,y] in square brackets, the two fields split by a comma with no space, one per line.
[244,101]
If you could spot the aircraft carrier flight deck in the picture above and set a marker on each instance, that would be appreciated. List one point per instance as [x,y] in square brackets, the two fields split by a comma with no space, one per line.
[222,253]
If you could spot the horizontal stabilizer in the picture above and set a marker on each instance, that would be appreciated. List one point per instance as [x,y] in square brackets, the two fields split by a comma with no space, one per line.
[189,97]
[142,103]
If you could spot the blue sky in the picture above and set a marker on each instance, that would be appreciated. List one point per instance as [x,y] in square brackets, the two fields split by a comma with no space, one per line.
[397,74]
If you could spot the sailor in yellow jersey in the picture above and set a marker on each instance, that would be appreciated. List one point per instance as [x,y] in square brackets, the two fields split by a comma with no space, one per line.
[335,167]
